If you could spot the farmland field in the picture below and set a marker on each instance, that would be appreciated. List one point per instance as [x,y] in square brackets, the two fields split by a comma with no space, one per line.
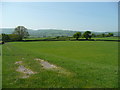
[0,67]
[71,38]
[92,64]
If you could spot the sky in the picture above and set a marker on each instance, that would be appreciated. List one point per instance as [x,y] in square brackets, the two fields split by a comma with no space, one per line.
[79,16]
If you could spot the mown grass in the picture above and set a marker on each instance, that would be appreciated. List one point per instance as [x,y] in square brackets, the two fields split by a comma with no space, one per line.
[93,64]
[71,38]
[106,38]
[0,66]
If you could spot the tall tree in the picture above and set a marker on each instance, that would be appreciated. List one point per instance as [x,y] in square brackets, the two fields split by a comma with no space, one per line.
[87,35]
[21,31]
[77,35]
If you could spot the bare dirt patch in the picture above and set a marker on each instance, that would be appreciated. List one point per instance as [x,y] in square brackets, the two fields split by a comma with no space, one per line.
[18,62]
[25,71]
[49,66]
[46,64]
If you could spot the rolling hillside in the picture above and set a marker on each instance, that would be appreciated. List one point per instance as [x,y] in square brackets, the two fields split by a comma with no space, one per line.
[49,32]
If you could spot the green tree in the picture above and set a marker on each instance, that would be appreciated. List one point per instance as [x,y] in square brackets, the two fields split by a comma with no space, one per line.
[103,35]
[87,35]
[5,37]
[93,35]
[22,32]
[77,35]
[110,34]
[14,37]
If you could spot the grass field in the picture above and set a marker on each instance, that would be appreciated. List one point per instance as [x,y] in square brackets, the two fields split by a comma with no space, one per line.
[92,64]
[0,67]
[106,38]
[71,38]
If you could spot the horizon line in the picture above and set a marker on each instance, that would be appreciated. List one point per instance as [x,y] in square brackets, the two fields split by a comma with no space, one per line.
[59,29]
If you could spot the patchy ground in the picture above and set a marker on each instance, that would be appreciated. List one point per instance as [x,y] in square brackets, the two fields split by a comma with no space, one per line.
[49,66]
[45,64]
[26,72]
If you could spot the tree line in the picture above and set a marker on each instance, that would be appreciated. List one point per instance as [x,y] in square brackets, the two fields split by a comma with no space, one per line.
[89,35]
[21,33]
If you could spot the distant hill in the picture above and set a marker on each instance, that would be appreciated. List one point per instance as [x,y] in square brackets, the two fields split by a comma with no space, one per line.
[7,30]
[43,32]
[49,32]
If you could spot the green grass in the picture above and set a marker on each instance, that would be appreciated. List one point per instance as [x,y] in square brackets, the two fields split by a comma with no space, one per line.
[106,38]
[93,64]
[71,38]
[0,67]
[42,38]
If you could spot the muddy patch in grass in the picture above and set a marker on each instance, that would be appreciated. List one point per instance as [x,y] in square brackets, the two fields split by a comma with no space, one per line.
[49,66]
[22,69]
